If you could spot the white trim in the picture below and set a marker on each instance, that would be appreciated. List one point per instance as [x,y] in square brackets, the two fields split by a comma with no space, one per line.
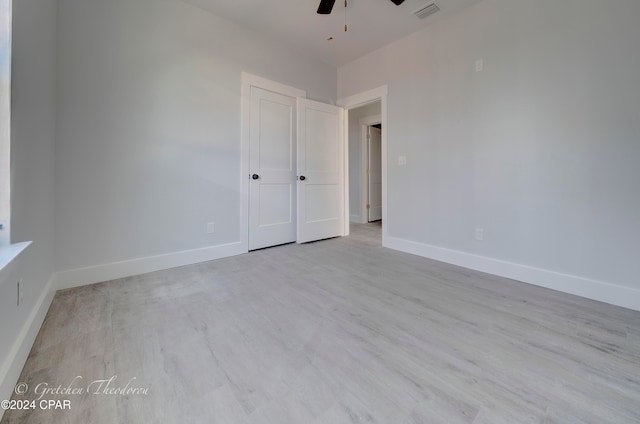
[352,102]
[247,81]
[251,80]
[355,218]
[626,297]
[14,362]
[345,180]
[95,274]
[364,98]
[365,123]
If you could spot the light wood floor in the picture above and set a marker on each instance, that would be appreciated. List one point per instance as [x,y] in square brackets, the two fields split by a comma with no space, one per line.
[338,331]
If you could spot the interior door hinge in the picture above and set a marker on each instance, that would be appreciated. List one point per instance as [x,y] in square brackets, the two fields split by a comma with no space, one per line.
[368,206]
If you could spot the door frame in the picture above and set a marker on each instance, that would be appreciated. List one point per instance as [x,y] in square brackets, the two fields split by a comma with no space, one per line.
[352,102]
[365,123]
[247,81]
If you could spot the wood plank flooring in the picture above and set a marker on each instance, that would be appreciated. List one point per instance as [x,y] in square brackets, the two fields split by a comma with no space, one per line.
[337,331]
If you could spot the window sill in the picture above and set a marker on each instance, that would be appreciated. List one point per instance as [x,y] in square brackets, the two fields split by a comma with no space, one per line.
[10,252]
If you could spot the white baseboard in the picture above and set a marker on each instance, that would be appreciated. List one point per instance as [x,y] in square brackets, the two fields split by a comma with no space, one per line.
[96,274]
[13,364]
[626,297]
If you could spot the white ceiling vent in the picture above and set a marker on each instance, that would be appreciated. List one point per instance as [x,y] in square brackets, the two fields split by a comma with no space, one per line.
[426,11]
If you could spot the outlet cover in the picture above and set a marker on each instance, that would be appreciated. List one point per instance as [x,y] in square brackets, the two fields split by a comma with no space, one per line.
[479,234]
[402,160]
[211,227]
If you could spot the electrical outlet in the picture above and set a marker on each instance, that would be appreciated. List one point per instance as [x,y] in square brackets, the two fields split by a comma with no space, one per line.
[402,160]
[20,296]
[479,234]
[211,227]
[479,65]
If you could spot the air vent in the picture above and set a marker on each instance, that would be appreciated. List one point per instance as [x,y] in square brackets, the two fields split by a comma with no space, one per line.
[428,10]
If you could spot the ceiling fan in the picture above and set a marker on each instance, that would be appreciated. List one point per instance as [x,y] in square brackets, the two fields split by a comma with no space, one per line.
[327,5]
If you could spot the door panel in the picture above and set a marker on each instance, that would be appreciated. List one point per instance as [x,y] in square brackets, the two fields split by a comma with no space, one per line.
[375,174]
[272,201]
[322,145]
[322,204]
[275,204]
[275,128]
[320,170]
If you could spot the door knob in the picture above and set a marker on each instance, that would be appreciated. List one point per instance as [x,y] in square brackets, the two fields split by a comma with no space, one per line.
[255,176]
[302,178]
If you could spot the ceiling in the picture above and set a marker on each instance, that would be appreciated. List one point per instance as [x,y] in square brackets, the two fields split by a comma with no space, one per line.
[372,23]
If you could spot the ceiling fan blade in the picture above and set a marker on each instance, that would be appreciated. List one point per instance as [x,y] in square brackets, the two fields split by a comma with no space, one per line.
[326,6]
[397,2]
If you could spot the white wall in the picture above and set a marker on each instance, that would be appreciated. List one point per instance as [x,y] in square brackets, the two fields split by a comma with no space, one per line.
[32,174]
[541,149]
[355,156]
[148,147]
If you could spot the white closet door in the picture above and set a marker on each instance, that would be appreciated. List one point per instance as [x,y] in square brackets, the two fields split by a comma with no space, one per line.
[320,171]
[272,201]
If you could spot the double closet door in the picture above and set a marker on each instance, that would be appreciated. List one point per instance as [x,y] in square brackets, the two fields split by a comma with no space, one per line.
[296,180]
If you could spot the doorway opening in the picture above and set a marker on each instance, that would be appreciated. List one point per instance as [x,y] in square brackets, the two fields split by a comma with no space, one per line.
[351,104]
[372,173]
[365,166]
